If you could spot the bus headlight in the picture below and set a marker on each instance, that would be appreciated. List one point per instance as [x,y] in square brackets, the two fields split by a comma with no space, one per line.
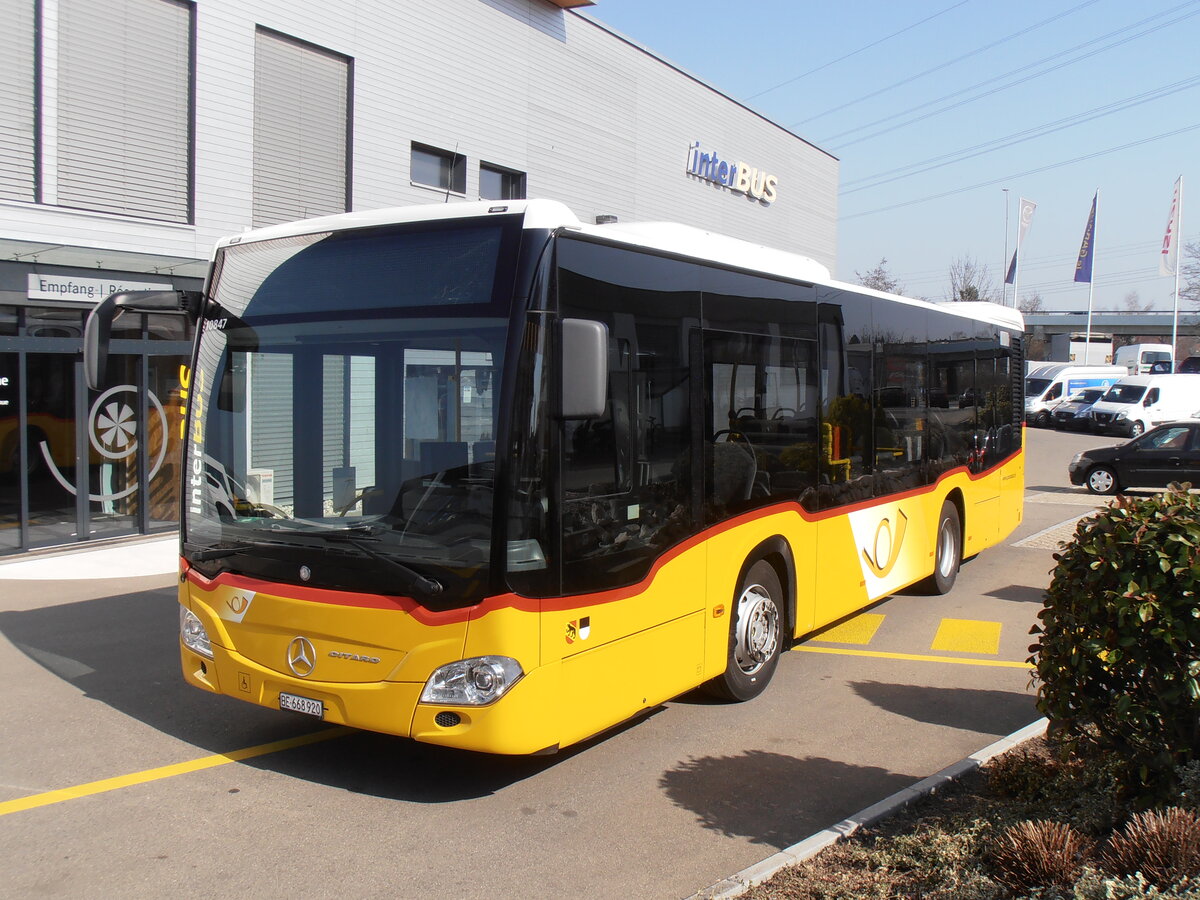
[472,682]
[192,633]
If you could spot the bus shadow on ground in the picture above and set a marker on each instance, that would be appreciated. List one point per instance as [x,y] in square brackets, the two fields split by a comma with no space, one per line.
[970,709]
[771,798]
[123,651]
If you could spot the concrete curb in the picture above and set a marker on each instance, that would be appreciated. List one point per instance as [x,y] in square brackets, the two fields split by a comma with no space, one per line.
[737,884]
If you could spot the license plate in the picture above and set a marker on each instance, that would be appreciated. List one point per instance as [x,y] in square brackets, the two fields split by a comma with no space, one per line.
[305,705]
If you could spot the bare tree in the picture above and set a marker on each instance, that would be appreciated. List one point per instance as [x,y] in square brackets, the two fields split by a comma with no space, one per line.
[970,280]
[1133,303]
[1031,303]
[880,279]
[1189,275]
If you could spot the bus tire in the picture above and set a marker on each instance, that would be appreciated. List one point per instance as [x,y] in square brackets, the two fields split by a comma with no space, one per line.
[947,551]
[755,635]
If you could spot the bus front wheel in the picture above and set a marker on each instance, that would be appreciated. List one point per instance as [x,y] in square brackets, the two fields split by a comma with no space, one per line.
[755,636]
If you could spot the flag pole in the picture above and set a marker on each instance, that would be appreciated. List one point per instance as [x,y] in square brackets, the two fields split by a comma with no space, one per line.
[1004,260]
[1178,236]
[1087,353]
[1017,270]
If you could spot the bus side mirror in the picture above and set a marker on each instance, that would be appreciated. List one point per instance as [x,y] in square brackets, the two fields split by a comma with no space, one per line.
[584,369]
[98,331]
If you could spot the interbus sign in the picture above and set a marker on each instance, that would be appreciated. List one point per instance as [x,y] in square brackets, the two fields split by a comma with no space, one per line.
[737,176]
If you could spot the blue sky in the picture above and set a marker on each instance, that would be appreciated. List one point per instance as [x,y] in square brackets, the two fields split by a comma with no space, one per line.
[1035,91]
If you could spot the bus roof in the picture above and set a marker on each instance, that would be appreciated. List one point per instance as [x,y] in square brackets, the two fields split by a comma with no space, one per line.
[667,237]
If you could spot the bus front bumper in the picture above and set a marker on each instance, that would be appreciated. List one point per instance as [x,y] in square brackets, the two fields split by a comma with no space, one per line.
[517,723]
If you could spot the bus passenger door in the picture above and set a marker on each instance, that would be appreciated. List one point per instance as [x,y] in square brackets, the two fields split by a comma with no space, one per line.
[629,628]
[760,452]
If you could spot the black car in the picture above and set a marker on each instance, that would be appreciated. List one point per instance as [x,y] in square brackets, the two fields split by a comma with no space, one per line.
[1076,412]
[1168,453]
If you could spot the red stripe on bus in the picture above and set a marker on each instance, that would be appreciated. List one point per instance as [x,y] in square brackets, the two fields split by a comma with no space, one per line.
[511,600]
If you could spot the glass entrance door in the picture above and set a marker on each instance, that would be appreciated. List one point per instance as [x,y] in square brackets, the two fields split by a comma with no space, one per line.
[77,465]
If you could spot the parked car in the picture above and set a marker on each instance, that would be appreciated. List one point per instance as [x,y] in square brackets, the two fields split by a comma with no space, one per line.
[1136,404]
[1075,413]
[1189,366]
[1167,453]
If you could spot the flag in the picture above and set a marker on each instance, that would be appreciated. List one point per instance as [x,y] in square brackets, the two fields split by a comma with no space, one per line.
[1024,217]
[1083,266]
[1168,260]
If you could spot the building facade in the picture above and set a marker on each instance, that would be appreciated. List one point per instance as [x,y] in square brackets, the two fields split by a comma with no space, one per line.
[134,133]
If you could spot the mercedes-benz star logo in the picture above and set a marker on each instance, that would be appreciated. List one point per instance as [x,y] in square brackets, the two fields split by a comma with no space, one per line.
[301,657]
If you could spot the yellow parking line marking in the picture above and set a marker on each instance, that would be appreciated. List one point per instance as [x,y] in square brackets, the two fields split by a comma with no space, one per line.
[195,765]
[967,636]
[858,630]
[879,654]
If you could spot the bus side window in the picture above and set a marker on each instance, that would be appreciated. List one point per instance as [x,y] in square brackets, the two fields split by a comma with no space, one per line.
[847,438]
[762,423]
[901,386]
[627,476]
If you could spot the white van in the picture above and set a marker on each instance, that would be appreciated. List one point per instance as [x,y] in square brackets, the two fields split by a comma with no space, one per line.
[1137,403]
[1049,385]
[1137,359]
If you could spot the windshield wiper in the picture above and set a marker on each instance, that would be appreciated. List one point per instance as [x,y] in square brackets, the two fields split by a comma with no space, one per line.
[412,579]
[209,553]
[364,528]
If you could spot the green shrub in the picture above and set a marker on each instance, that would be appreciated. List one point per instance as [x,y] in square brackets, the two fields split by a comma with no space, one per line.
[1118,650]
[1021,774]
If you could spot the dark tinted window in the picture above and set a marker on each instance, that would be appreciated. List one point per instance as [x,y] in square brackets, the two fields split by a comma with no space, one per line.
[762,421]
[901,382]
[952,394]
[754,305]
[847,381]
[627,476]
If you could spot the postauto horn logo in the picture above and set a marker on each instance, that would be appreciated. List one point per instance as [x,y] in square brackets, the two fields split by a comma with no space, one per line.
[737,176]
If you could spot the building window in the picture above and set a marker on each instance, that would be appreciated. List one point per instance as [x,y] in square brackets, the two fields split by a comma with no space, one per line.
[125,113]
[302,129]
[496,183]
[439,169]
[17,109]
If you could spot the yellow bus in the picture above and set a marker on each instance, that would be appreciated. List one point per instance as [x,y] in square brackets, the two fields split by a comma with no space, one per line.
[483,476]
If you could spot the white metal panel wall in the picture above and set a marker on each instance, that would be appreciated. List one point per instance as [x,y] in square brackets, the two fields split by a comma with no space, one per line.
[592,119]
[16,100]
[124,108]
[300,111]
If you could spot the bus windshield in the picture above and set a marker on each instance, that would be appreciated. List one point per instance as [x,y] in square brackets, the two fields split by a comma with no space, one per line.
[343,410]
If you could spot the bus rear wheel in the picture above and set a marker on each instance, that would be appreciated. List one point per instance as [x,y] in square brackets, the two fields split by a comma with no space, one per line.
[947,554]
[755,636]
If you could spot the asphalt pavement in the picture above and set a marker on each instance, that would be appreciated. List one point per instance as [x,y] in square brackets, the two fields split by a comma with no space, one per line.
[115,777]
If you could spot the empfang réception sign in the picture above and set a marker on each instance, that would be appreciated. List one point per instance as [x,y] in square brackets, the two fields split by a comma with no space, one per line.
[737,176]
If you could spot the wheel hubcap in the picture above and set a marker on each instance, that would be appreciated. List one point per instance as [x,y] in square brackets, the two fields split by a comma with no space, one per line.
[757,629]
[947,551]
[1101,481]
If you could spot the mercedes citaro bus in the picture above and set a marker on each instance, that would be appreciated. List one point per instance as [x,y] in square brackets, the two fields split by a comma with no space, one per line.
[485,477]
